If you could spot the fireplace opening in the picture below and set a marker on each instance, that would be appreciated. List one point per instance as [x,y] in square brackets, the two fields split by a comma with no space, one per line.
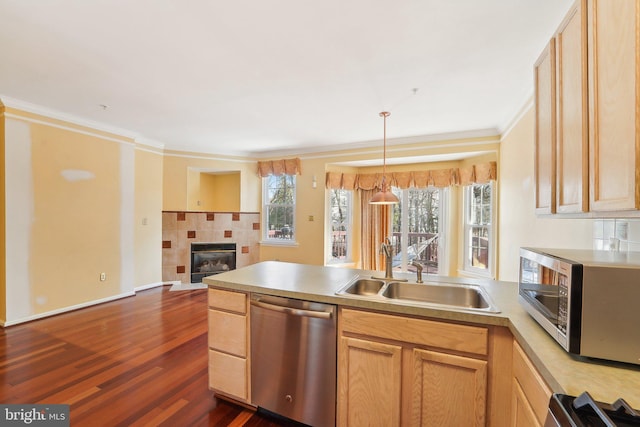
[211,258]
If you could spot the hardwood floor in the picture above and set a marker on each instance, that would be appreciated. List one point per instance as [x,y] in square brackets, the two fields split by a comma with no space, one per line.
[138,361]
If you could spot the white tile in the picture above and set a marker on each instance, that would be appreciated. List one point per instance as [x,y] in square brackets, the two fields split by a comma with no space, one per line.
[609,229]
[621,229]
[634,230]
[598,244]
[598,229]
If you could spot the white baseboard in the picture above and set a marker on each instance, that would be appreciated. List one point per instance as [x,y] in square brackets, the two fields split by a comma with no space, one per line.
[152,285]
[66,309]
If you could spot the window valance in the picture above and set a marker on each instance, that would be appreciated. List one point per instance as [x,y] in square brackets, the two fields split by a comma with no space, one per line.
[279,167]
[473,174]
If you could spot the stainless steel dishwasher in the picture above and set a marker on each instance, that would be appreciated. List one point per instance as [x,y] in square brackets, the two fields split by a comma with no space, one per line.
[293,359]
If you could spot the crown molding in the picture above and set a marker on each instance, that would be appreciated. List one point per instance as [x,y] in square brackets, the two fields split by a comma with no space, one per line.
[59,115]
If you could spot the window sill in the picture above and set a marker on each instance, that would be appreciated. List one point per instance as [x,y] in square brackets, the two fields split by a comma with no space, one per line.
[278,242]
[346,264]
[476,274]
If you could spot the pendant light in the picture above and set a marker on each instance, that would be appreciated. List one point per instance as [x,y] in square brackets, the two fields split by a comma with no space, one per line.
[385,196]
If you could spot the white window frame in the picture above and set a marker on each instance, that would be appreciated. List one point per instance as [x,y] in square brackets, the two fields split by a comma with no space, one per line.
[349,230]
[468,269]
[269,240]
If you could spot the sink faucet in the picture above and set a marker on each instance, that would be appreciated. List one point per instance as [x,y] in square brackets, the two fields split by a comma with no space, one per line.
[418,267]
[387,250]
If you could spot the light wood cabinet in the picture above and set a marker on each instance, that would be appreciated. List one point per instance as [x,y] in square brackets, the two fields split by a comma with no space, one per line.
[587,99]
[370,391]
[399,371]
[545,131]
[530,393]
[229,344]
[572,132]
[614,104]
[448,390]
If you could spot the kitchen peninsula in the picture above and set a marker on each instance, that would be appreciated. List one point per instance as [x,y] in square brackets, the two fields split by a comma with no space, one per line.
[485,347]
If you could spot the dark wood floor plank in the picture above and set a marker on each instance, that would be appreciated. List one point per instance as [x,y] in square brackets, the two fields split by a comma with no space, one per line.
[137,361]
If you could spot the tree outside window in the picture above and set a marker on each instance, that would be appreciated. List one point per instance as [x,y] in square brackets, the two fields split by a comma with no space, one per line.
[478,228]
[340,205]
[279,207]
[415,223]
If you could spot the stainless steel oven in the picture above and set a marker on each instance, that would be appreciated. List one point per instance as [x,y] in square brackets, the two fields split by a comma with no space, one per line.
[586,300]
[584,411]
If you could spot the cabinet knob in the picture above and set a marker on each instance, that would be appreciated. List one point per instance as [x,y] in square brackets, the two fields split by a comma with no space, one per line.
[288,398]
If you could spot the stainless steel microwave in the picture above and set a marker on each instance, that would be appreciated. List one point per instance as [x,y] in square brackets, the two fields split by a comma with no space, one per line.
[588,301]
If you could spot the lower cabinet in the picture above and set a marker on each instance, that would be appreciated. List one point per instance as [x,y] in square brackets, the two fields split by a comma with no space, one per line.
[448,390]
[399,371]
[364,398]
[228,344]
[530,393]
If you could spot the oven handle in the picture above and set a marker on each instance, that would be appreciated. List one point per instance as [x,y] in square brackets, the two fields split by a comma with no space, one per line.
[585,399]
[621,404]
[292,311]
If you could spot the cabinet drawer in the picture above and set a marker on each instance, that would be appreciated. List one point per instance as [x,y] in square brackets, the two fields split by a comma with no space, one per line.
[228,332]
[451,336]
[535,390]
[228,374]
[228,300]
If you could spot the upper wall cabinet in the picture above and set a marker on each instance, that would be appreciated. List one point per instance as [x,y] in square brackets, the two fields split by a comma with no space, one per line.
[545,132]
[572,144]
[614,103]
[592,124]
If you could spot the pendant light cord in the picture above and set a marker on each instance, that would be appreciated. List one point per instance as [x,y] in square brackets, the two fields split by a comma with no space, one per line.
[384,115]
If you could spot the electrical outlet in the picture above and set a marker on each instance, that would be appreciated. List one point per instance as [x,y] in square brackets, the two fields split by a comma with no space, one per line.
[103,277]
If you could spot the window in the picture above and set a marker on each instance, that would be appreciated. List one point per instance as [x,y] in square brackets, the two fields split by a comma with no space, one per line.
[478,236]
[416,225]
[340,229]
[279,202]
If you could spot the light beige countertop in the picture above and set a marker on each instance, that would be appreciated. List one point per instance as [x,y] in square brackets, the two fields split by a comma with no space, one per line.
[564,373]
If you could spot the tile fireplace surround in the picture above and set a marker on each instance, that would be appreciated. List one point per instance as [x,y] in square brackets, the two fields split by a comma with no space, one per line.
[180,229]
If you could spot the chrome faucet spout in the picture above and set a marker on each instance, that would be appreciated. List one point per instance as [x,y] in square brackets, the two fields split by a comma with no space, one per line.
[387,250]
[419,268]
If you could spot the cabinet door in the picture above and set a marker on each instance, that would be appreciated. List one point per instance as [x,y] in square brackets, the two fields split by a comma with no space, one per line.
[228,332]
[369,376]
[228,375]
[531,393]
[523,415]
[545,131]
[448,390]
[572,153]
[614,99]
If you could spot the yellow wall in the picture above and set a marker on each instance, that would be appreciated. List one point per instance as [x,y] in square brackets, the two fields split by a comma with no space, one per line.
[519,226]
[193,190]
[181,180]
[76,223]
[3,271]
[148,217]
[219,192]
[69,215]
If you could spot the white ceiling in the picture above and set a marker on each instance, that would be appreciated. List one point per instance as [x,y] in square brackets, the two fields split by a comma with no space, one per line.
[259,77]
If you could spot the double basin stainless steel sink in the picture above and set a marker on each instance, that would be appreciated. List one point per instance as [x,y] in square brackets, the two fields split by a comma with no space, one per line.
[449,295]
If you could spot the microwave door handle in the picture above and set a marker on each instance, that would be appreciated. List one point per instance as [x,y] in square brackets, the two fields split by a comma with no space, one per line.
[621,404]
[585,399]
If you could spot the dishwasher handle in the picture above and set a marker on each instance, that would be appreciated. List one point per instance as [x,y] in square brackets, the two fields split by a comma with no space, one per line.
[292,311]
